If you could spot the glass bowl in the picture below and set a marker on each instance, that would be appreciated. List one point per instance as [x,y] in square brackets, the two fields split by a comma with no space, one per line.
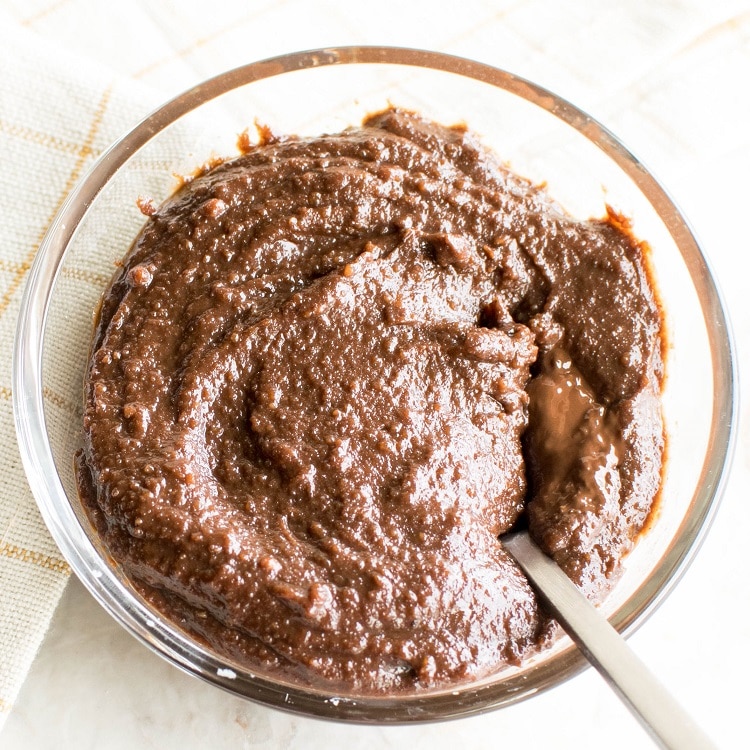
[542,137]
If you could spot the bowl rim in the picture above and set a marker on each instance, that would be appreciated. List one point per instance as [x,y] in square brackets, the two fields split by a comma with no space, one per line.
[171,644]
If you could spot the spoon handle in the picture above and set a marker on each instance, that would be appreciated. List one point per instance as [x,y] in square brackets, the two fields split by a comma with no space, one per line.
[669,725]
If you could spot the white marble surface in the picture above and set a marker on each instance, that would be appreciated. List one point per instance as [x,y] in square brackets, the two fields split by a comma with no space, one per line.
[671,78]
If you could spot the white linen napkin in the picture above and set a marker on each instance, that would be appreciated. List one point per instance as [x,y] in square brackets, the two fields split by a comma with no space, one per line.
[56,114]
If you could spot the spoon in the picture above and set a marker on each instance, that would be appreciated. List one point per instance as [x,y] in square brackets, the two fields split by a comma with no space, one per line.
[667,723]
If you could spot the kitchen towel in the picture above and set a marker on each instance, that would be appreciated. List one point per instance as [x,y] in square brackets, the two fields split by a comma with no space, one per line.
[56,114]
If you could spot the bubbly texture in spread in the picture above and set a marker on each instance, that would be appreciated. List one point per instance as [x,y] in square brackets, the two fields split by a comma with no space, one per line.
[332,372]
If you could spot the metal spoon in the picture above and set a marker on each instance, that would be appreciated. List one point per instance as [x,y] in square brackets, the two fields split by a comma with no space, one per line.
[606,649]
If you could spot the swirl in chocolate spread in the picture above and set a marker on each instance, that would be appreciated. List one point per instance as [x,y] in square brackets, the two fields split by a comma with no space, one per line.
[332,371]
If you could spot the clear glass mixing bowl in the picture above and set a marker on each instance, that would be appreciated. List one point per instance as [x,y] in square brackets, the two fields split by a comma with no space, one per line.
[542,137]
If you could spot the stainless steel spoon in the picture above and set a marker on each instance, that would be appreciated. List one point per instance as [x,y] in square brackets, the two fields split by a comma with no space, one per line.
[606,649]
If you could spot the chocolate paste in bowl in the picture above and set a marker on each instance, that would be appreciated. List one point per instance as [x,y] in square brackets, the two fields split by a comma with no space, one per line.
[331,372]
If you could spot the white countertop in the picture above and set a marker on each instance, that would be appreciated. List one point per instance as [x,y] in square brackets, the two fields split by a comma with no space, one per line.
[671,79]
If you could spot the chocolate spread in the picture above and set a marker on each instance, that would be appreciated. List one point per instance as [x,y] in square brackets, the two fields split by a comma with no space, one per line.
[331,372]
